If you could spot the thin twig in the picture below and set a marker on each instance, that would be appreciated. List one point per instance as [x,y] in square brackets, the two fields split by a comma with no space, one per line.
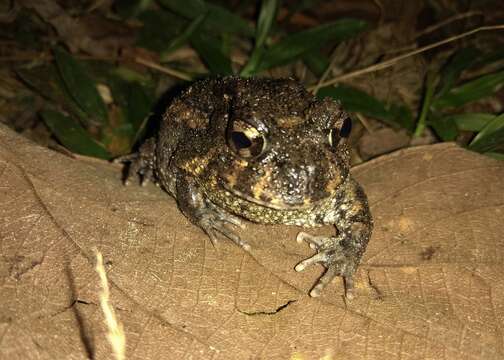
[95,5]
[445,22]
[381,8]
[163,69]
[364,122]
[115,335]
[388,63]
[434,27]
[45,56]
[139,60]
[327,71]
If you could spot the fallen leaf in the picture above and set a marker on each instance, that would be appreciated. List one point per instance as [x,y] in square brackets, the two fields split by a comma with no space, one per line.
[71,30]
[430,284]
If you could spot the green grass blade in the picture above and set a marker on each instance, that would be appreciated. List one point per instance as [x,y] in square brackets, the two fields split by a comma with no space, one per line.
[430,86]
[294,46]
[187,8]
[134,100]
[445,128]
[150,36]
[266,17]
[80,86]
[354,100]
[316,62]
[72,135]
[496,156]
[224,20]
[183,38]
[473,90]
[139,107]
[133,96]
[303,5]
[46,80]
[218,18]
[460,61]
[210,50]
[131,75]
[490,58]
[470,121]
[491,137]
[131,8]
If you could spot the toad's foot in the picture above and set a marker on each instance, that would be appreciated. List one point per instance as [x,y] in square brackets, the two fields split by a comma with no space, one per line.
[331,254]
[137,166]
[213,220]
[141,163]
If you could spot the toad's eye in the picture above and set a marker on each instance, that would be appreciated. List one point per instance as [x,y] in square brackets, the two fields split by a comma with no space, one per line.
[245,140]
[340,132]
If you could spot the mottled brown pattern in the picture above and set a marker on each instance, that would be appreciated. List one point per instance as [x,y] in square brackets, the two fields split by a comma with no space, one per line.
[267,151]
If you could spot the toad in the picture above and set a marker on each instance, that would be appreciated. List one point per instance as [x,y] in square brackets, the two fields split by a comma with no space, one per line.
[267,151]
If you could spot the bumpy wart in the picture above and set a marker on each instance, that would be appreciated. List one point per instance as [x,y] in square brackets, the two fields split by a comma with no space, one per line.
[267,151]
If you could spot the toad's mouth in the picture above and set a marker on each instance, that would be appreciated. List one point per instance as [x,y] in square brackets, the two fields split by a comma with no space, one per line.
[273,203]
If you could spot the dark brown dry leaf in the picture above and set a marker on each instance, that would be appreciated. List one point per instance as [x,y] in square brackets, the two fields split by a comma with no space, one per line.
[400,83]
[382,141]
[72,32]
[430,285]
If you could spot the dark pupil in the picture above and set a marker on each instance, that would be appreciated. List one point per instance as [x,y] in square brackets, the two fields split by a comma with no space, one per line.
[346,128]
[240,140]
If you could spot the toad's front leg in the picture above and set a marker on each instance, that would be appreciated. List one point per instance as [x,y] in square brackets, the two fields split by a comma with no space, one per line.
[341,254]
[202,212]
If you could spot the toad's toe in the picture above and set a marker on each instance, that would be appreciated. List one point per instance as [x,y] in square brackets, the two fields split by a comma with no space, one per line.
[211,222]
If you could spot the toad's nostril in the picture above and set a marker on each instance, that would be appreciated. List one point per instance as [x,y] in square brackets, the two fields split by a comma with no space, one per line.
[298,179]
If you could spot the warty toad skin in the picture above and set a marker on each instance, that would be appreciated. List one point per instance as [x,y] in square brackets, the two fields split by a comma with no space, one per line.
[267,151]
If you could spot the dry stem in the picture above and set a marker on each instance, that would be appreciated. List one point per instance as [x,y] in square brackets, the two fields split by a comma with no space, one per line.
[390,62]
[115,335]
